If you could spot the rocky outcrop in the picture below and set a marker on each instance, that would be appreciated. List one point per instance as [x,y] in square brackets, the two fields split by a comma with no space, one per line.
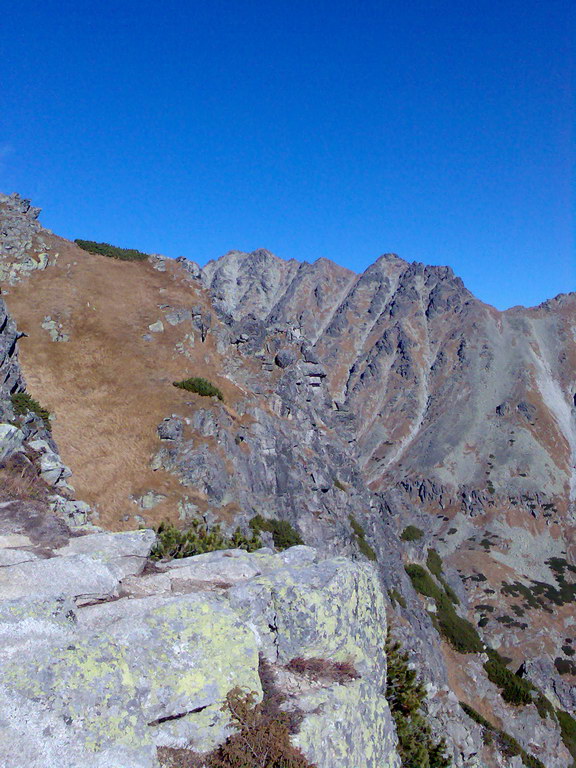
[23,247]
[101,664]
[11,379]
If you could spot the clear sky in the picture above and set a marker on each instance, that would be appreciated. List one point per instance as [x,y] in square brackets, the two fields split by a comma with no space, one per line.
[441,131]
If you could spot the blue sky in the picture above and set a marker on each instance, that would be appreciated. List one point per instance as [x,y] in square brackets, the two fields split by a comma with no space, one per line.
[442,131]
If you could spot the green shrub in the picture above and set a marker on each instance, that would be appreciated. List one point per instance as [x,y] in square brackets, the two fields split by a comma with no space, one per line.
[514,689]
[411,533]
[507,744]
[434,563]
[406,694]
[360,535]
[172,543]
[283,533]
[565,666]
[200,386]
[23,403]
[568,729]
[112,251]
[396,597]
[458,631]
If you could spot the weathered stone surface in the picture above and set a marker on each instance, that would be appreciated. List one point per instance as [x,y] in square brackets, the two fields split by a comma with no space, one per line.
[78,576]
[106,684]
[52,470]
[11,379]
[285,357]
[125,554]
[11,439]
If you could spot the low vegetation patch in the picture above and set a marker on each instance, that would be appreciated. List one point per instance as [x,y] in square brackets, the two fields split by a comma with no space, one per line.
[340,485]
[112,251]
[458,631]
[261,738]
[507,744]
[565,666]
[568,730]
[435,566]
[200,386]
[23,403]
[172,543]
[396,598]
[20,481]
[283,533]
[406,694]
[411,533]
[513,688]
[360,535]
[324,669]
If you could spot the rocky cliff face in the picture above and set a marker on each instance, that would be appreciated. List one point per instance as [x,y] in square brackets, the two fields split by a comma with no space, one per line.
[102,665]
[353,407]
[462,419]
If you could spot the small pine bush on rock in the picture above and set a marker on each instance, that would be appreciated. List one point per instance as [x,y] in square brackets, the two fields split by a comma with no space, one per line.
[200,386]
[262,739]
[283,533]
[411,533]
[406,694]
[458,631]
[23,403]
[360,534]
[172,543]
[507,744]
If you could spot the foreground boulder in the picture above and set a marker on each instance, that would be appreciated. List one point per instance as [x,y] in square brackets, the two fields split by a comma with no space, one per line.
[150,661]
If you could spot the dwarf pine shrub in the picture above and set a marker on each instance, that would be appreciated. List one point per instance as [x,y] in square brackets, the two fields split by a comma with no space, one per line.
[200,386]
[283,533]
[406,694]
[411,533]
[112,251]
[23,403]
[360,534]
[172,543]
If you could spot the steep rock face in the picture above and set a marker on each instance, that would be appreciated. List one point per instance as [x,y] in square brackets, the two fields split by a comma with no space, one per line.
[11,379]
[104,682]
[461,418]
[402,341]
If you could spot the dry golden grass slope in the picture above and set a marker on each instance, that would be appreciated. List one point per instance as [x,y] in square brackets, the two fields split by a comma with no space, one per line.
[108,386]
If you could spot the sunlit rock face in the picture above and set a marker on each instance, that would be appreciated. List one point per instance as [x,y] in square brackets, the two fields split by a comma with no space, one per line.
[101,665]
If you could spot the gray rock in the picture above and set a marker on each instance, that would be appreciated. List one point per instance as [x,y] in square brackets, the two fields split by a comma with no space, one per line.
[285,357]
[125,554]
[11,439]
[106,684]
[79,577]
[170,429]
